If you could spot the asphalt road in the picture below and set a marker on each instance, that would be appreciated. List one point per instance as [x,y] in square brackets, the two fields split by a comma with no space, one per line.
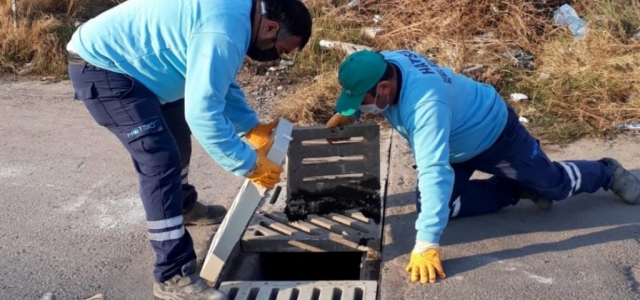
[586,247]
[71,220]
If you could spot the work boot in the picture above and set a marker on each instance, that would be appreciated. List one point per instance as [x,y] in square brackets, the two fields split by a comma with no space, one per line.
[202,214]
[623,183]
[188,286]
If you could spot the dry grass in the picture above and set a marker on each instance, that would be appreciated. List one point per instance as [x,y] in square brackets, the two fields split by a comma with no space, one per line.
[44,28]
[592,84]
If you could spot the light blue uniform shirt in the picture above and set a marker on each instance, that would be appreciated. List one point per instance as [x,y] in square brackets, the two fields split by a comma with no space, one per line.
[189,49]
[447,118]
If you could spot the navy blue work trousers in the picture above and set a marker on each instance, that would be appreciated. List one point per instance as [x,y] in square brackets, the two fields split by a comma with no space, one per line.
[158,140]
[518,164]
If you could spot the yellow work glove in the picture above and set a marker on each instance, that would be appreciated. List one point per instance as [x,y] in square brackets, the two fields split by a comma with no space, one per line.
[338,120]
[265,173]
[260,136]
[425,263]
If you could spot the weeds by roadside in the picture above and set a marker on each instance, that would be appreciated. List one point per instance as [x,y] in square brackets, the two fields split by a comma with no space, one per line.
[37,45]
[577,87]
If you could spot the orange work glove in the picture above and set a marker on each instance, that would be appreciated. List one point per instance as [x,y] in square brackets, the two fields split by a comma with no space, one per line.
[425,263]
[338,120]
[265,173]
[260,136]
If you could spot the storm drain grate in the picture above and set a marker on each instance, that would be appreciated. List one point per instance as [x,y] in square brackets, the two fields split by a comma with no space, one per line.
[350,231]
[315,166]
[303,290]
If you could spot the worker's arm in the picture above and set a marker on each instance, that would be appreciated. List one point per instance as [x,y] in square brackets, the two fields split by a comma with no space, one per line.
[429,136]
[430,142]
[238,111]
[213,60]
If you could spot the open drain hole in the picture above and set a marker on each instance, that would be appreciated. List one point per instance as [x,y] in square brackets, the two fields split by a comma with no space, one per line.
[295,266]
[276,266]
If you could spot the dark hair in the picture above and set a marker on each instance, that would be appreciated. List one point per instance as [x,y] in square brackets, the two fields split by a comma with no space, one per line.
[388,73]
[294,15]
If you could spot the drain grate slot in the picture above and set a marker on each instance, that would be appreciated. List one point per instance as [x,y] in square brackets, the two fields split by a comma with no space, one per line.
[304,290]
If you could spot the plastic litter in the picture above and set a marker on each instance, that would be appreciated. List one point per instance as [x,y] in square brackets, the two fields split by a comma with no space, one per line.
[565,15]
[523,120]
[517,97]
[520,59]
[634,126]
[346,47]
[636,36]
[353,4]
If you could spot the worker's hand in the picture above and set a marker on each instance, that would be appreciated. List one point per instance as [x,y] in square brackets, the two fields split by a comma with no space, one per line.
[425,263]
[265,173]
[260,136]
[338,120]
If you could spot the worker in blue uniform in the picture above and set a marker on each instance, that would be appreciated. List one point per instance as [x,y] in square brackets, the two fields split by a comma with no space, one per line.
[455,126]
[155,72]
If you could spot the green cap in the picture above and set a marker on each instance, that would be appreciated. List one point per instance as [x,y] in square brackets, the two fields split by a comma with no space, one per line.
[358,73]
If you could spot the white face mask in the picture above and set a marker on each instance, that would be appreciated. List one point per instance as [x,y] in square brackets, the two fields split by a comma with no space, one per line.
[373,108]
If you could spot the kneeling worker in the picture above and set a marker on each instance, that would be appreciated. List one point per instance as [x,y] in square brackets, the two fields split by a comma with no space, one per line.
[456,126]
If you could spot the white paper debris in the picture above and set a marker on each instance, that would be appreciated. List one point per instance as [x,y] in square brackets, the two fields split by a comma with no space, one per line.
[518,97]
[347,47]
[286,63]
[377,18]
[353,4]
[523,120]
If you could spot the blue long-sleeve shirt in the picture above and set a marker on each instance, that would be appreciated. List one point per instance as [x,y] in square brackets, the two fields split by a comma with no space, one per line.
[447,118]
[189,49]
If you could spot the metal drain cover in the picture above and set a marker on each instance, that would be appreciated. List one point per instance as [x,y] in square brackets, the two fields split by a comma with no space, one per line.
[351,231]
[300,290]
[315,165]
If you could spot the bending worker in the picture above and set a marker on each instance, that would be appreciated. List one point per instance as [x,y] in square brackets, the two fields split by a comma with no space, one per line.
[153,72]
[456,126]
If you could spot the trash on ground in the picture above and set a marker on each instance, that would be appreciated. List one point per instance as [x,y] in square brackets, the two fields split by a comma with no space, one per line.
[353,4]
[545,75]
[565,15]
[346,47]
[377,18]
[517,97]
[523,120]
[283,65]
[371,32]
[636,36]
[520,59]
[629,126]
[286,63]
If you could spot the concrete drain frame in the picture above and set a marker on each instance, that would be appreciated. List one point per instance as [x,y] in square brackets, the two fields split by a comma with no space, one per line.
[334,242]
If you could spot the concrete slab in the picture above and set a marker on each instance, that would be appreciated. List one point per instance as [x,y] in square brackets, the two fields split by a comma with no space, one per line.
[300,290]
[270,231]
[586,247]
[241,211]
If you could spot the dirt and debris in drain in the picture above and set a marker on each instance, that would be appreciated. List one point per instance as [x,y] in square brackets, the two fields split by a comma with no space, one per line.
[364,196]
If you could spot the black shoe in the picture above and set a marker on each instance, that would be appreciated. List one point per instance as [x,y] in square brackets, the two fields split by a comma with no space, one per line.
[623,183]
[202,214]
[188,286]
